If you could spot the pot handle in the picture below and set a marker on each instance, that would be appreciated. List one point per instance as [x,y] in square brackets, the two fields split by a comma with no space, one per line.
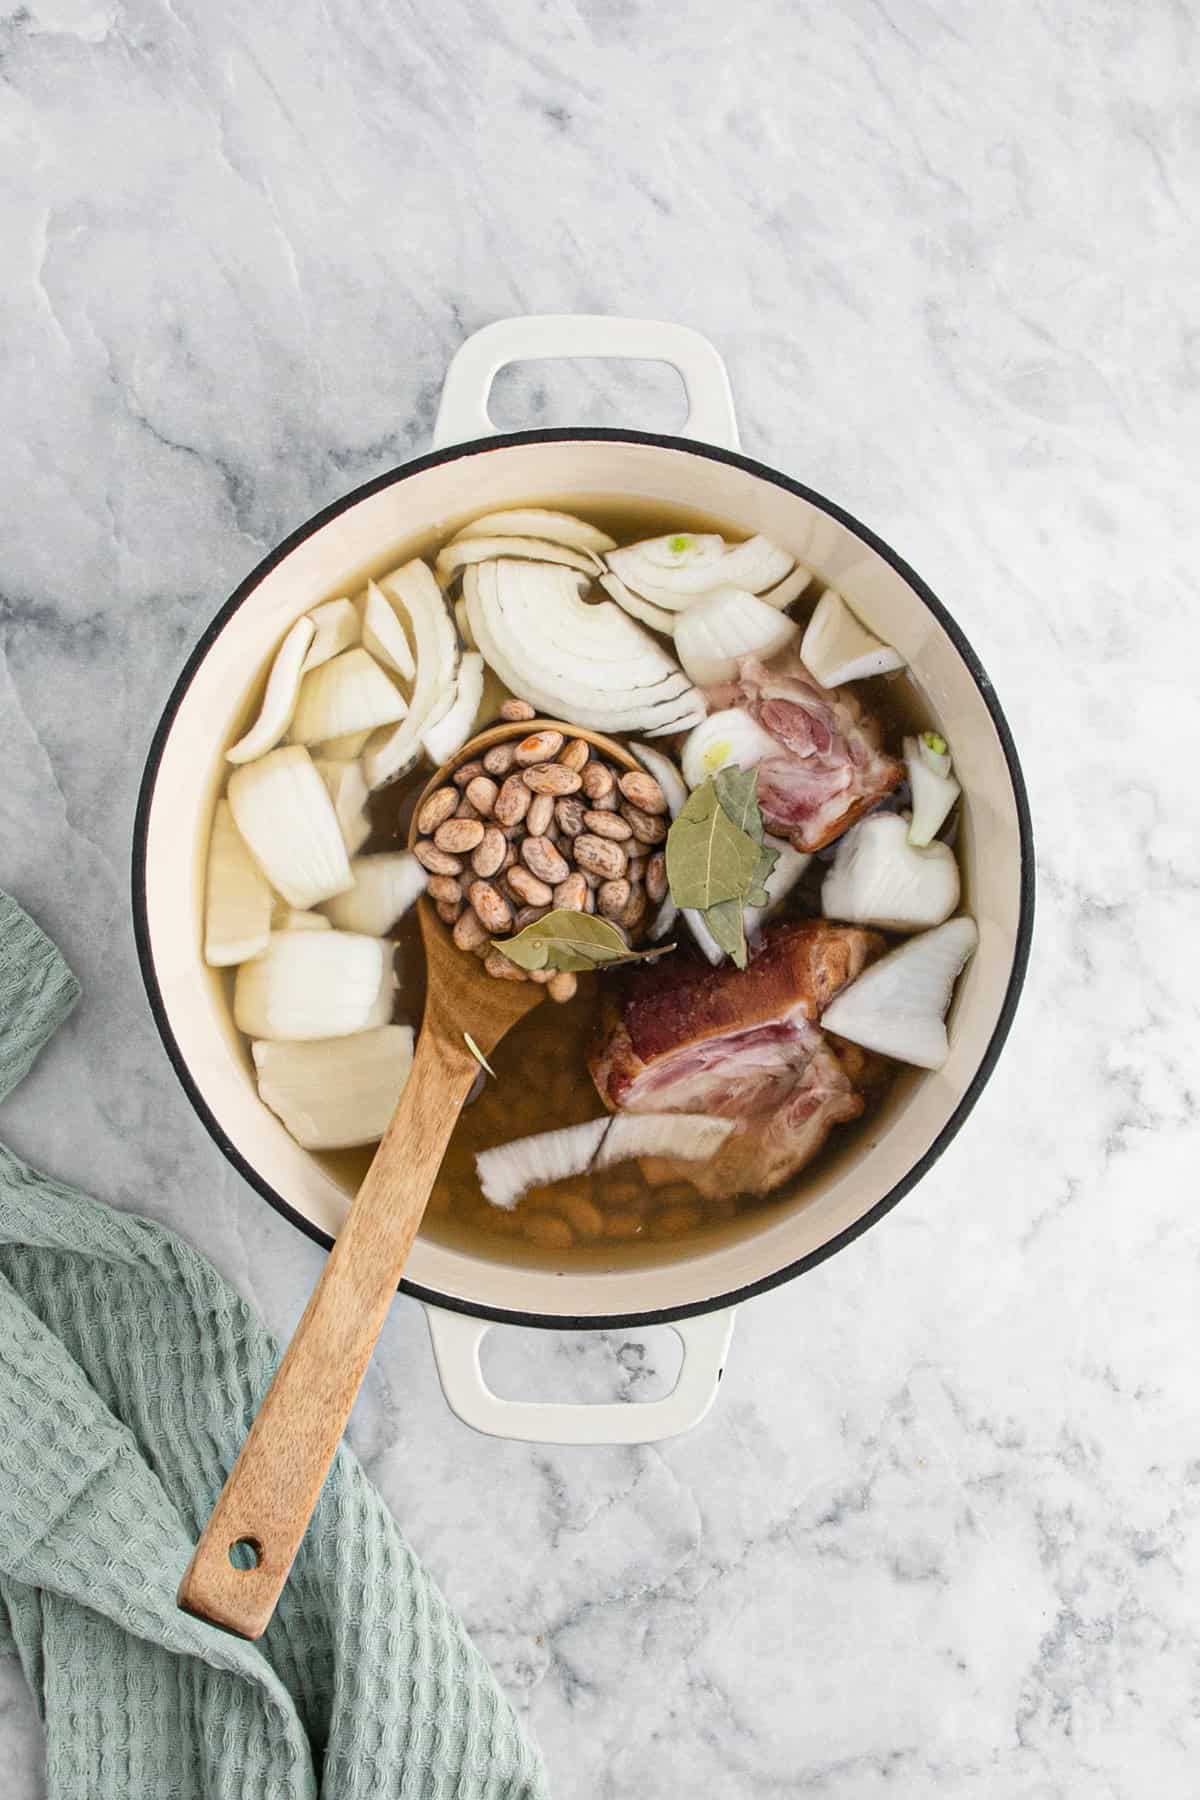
[456,1341]
[463,412]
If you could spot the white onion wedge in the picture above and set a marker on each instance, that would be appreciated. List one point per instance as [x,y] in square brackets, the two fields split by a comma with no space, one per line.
[878,878]
[342,749]
[237,907]
[391,754]
[712,636]
[286,918]
[315,984]
[510,1170]
[537,522]
[336,629]
[729,739]
[283,810]
[898,1005]
[347,788]
[280,697]
[787,590]
[675,793]
[384,635]
[571,659]
[385,886]
[934,789]
[657,617]
[790,865]
[356,831]
[675,580]
[349,693]
[838,648]
[335,1093]
[464,551]
[463,623]
[449,733]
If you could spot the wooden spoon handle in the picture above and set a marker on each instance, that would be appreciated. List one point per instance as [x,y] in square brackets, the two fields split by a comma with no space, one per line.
[271,1490]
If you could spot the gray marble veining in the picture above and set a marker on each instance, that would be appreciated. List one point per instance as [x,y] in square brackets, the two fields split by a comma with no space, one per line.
[939,1536]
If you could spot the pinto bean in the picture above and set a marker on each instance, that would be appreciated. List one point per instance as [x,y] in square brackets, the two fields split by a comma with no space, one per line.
[438,862]
[526,886]
[647,827]
[608,825]
[642,791]
[541,811]
[490,904]
[572,893]
[612,897]
[470,933]
[568,815]
[563,986]
[468,772]
[656,877]
[575,754]
[459,836]
[436,810]
[499,759]
[538,747]
[529,915]
[599,856]
[444,887]
[448,911]
[539,854]
[551,778]
[597,780]
[481,791]
[512,802]
[517,709]
[487,858]
[501,967]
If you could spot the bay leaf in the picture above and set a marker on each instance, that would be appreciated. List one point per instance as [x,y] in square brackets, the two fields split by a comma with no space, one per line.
[709,857]
[573,941]
[726,924]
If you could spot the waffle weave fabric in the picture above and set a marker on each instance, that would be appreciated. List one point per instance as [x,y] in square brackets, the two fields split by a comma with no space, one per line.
[129,1372]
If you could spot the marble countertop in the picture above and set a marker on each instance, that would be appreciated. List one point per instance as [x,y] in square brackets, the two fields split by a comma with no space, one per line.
[939,1535]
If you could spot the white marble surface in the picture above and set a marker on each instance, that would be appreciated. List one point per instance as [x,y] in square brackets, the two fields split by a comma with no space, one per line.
[940,1535]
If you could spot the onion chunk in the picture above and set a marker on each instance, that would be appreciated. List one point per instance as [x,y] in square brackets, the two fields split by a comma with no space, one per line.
[510,1170]
[336,1093]
[838,648]
[237,912]
[898,1005]
[279,700]
[315,984]
[879,878]
[283,811]
[385,887]
[349,693]
[712,636]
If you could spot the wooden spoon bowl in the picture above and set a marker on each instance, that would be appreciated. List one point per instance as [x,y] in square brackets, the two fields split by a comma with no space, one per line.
[264,1508]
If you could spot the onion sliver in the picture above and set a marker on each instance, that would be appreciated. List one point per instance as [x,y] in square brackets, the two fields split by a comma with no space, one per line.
[283,811]
[384,635]
[279,700]
[391,754]
[657,617]
[755,564]
[337,629]
[934,790]
[837,647]
[458,555]
[789,589]
[237,909]
[712,636]
[535,522]
[335,1093]
[729,739]
[348,693]
[675,792]
[587,663]
[450,733]
[315,984]
[898,1005]
[510,1170]
[385,887]
[879,878]
[347,789]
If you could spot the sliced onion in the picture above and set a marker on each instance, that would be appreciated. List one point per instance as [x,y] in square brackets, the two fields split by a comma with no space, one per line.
[288,919]
[934,790]
[237,909]
[725,740]
[879,878]
[391,754]
[385,887]
[657,617]
[651,571]
[347,787]
[335,1093]
[384,635]
[336,629]
[463,623]
[315,984]
[349,693]
[536,522]
[458,555]
[789,589]
[838,648]
[343,749]
[510,1170]
[283,810]
[712,636]
[587,663]
[449,733]
[279,700]
[898,1005]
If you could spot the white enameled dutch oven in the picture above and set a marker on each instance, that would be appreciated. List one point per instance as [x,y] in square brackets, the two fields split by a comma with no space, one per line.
[473,470]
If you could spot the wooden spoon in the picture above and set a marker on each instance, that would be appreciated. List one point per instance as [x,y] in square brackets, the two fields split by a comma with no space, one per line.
[263,1510]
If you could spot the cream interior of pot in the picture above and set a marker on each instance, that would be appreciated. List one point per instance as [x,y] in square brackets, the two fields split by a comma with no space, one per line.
[367,538]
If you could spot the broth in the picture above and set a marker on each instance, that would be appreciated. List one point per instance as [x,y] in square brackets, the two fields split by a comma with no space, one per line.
[614,1218]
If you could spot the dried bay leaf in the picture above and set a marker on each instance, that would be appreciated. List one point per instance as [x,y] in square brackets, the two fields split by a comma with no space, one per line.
[574,941]
[710,858]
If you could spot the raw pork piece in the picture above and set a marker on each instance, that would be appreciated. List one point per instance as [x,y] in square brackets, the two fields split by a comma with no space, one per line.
[680,1036]
[830,768]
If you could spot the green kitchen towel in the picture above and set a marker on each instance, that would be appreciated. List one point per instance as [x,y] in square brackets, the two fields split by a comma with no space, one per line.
[129,1372]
